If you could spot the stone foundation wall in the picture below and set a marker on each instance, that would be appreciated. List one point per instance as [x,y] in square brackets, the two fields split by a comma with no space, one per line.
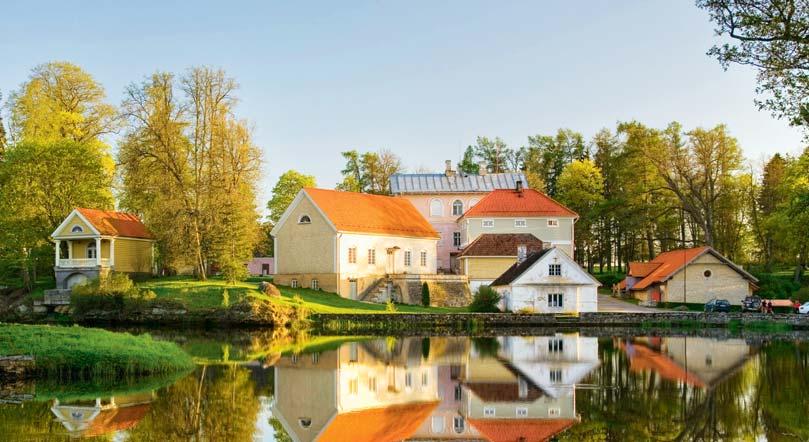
[16,367]
[445,290]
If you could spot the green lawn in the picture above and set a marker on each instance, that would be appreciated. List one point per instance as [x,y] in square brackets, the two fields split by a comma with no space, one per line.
[90,351]
[208,294]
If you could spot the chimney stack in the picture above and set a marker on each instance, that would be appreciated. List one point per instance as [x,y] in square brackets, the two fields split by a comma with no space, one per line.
[448,168]
[522,252]
[483,168]
[518,186]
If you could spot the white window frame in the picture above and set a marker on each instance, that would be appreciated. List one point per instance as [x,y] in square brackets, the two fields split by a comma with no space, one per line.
[457,204]
[520,223]
[556,345]
[521,412]
[307,221]
[489,412]
[556,300]
[423,258]
[77,229]
[372,383]
[314,284]
[408,380]
[293,283]
[425,379]
[408,258]
[440,207]
[555,376]
[372,256]
[458,424]
[553,222]
[552,269]
[456,239]
[554,412]
[487,223]
[91,247]
[352,255]
[353,386]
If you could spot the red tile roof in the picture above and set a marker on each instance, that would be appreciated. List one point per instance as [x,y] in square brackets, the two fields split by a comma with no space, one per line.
[511,203]
[366,213]
[116,419]
[513,430]
[501,244]
[642,269]
[643,358]
[389,424]
[668,263]
[108,222]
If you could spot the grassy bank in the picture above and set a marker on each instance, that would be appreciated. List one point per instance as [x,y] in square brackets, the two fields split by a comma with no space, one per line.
[87,353]
[209,294]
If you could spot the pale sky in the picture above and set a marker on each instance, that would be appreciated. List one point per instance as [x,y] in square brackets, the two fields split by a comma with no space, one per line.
[420,78]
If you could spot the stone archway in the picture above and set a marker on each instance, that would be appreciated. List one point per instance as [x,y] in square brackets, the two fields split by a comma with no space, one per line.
[75,279]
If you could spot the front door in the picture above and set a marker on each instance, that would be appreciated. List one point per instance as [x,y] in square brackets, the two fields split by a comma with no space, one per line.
[265,269]
[352,289]
[656,294]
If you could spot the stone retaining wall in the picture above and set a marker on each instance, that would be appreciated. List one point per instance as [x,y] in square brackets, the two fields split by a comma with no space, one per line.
[428,320]
[16,367]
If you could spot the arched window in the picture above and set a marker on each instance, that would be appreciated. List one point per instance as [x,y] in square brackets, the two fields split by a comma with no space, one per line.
[76,229]
[457,208]
[436,208]
[304,219]
[305,422]
[458,424]
[92,253]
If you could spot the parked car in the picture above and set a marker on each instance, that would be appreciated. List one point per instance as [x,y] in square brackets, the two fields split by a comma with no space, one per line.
[751,304]
[804,309]
[717,306]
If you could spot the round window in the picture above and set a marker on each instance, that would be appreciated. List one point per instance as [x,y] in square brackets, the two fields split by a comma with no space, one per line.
[707,273]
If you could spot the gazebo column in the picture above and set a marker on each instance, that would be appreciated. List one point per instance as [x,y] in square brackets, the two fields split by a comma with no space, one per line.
[58,253]
[112,252]
[69,249]
[98,252]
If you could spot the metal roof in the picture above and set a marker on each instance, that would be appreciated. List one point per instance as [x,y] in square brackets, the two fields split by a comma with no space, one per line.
[405,183]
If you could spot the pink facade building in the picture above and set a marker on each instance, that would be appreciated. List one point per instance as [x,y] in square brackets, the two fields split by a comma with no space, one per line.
[261,266]
[443,197]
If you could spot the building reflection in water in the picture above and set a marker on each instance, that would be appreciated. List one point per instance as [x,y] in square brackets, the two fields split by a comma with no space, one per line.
[507,388]
[102,416]
[698,362]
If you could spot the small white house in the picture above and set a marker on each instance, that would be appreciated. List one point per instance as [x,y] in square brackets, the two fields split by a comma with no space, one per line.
[549,281]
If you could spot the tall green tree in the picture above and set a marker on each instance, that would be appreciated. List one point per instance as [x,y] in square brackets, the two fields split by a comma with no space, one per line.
[495,153]
[61,101]
[285,190]
[40,184]
[369,172]
[581,187]
[468,164]
[190,168]
[771,36]
[3,139]
[546,155]
[766,199]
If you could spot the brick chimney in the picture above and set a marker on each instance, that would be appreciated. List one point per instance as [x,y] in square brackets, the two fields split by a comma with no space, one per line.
[522,252]
[518,186]
[448,168]
[483,168]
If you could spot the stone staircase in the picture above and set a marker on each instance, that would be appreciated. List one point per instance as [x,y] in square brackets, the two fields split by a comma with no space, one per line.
[380,293]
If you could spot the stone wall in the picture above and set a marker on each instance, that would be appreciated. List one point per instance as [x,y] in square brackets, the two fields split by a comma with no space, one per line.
[16,367]
[445,290]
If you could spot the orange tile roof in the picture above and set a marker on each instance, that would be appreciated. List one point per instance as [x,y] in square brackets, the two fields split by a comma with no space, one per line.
[366,213]
[108,222]
[643,358]
[389,424]
[513,430]
[642,269]
[669,263]
[511,203]
[116,419]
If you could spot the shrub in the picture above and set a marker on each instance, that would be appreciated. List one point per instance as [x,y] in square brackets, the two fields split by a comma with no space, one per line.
[233,270]
[775,287]
[802,295]
[225,298]
[608,279]
[110,292]
[425,294]
[485,300]
[526,311]
[390,307]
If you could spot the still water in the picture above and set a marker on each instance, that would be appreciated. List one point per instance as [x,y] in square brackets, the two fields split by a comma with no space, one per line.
[559,386]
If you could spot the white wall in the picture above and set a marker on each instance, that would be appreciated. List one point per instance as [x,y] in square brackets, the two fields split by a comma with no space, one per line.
[381,244]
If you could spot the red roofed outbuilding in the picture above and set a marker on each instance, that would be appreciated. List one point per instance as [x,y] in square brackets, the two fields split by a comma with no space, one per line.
[694,275]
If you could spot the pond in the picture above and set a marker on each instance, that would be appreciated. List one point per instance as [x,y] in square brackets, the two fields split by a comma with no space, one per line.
[554,386]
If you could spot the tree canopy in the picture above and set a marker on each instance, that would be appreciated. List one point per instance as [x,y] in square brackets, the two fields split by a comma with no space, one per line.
[285,190]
